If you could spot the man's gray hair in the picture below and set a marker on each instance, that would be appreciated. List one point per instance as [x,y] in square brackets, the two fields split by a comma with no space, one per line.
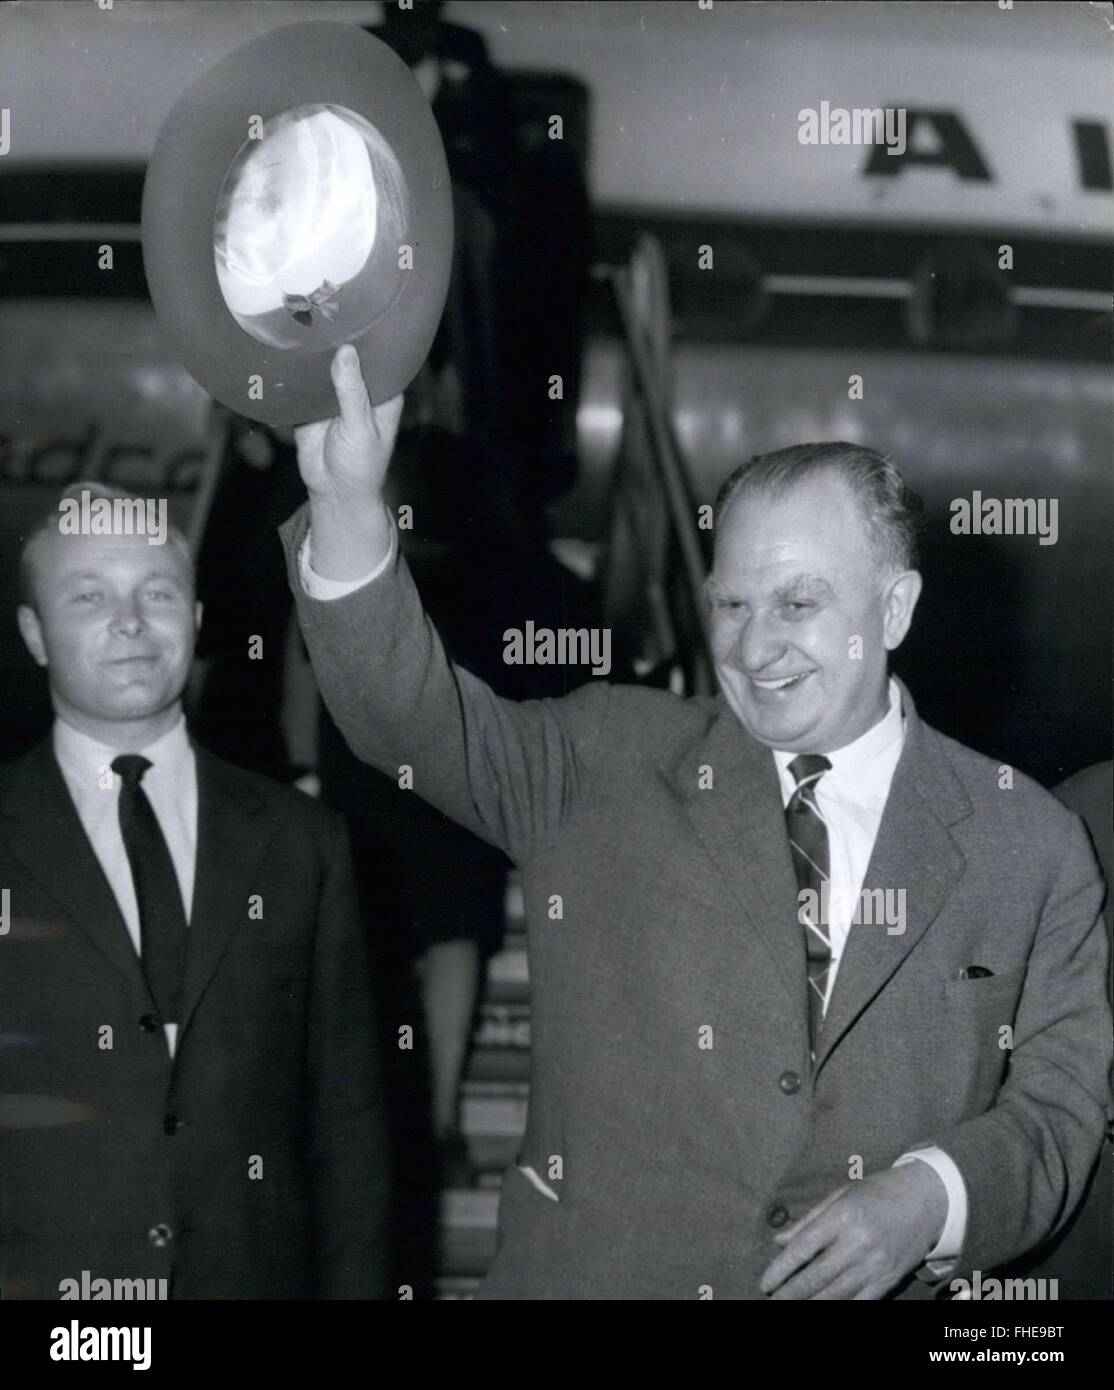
[49,522]
[891,511]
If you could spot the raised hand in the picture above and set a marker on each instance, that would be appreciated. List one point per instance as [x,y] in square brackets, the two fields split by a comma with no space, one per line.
[343,463]
[347,457]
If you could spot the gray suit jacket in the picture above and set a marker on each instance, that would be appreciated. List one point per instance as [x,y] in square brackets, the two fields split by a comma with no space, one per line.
[673,1110]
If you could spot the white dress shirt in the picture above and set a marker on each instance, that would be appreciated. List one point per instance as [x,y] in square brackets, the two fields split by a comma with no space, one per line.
[851,798]
[170,784]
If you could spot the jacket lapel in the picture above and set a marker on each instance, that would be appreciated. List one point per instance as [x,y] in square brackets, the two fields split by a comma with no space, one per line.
[740,821]
[913,852]
[232,833]
[50,841]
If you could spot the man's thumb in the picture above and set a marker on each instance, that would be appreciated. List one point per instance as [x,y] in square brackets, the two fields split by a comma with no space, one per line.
[348,381]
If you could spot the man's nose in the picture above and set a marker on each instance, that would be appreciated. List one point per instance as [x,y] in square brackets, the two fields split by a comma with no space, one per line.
[128,618]
[758,645]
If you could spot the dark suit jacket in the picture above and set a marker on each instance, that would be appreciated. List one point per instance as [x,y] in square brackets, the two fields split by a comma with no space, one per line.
[673,1111]
[275,1063]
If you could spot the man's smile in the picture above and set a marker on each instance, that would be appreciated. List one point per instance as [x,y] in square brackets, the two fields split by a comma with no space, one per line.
[779,684]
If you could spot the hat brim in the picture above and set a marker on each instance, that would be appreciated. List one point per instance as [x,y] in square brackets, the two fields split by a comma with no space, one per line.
[317,63]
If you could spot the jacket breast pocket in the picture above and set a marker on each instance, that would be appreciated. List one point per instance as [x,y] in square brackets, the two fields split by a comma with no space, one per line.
[525,1207]
[993,994]
[538,1182]
[979,1016]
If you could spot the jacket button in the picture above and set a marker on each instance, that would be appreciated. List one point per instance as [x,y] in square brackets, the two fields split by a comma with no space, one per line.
[149,1023]
[171,1124]
[777,1216]
[160,1235]
[789,1082]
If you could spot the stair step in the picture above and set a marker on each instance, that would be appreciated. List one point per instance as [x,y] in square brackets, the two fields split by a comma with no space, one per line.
[494,1108]
[457,1286]
[504,1025]
[506,1065]
[468,1225]
[469,1208]
[509,968]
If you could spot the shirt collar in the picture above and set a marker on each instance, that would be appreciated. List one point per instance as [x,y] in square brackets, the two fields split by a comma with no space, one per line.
[82,757]
[862,769]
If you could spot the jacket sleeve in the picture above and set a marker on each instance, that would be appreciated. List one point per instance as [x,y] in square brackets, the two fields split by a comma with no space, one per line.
[1026,1161]
[347,1120]
[509,771]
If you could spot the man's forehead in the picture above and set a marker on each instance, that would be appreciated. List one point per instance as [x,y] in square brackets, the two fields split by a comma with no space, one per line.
[817,524]
[806,503]
[776,553]
[60,557]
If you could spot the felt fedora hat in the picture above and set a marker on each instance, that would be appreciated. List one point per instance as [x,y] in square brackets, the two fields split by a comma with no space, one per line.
[298,198]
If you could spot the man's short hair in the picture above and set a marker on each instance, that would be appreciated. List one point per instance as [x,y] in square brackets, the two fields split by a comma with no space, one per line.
[891,511]
[49,522]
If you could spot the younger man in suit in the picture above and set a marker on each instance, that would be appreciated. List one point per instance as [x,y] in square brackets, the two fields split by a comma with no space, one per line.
[188,1084]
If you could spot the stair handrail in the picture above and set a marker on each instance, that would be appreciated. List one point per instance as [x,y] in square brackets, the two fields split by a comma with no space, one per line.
[641,291]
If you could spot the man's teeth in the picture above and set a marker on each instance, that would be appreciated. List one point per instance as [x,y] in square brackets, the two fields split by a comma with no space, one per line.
[780,684]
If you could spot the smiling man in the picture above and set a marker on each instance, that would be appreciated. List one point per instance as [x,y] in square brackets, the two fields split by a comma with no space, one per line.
[188,1087]
[735,1092]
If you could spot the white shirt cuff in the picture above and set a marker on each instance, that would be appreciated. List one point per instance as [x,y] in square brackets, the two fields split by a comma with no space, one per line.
[327,589]
[946,1250]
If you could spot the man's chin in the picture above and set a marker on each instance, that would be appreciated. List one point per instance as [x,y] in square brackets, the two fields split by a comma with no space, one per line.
[134,704]
[787,737]
[788,729]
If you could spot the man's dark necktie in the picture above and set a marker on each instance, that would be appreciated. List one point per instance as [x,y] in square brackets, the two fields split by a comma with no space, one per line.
[808,846]
[162,919]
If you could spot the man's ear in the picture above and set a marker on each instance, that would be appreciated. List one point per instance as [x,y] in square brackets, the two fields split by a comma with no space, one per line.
[899,600]
[30,629]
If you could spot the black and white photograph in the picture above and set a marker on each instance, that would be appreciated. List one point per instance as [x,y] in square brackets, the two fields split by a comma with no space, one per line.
[556,669]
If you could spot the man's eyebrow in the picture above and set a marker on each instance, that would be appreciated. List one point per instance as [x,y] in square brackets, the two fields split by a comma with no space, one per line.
[800,586]
[803,586]
[172,575]
[84,576]
[715,591]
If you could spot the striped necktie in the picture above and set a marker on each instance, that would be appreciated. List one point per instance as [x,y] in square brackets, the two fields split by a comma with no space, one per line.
[808,846]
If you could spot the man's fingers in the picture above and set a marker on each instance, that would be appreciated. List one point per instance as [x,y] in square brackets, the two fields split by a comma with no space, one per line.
[813,1238]
[348,380]
[844,1288]
[819,1279]
[792,1232]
